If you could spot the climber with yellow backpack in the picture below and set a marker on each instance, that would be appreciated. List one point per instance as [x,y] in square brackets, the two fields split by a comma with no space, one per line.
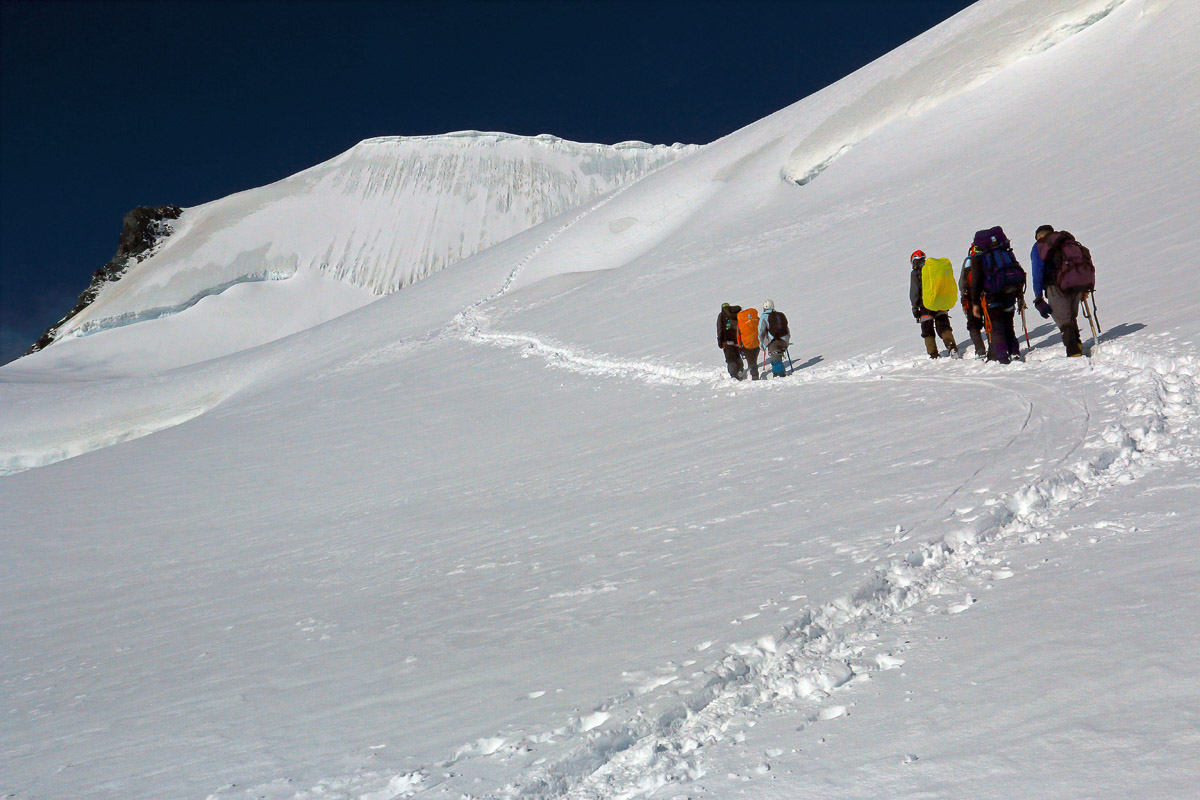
[933,293]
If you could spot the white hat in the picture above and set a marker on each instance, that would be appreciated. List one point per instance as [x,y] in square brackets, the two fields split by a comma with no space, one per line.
[768,305]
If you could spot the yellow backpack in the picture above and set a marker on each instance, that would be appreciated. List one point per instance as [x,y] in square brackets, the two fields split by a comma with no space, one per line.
[938,289]
[748,328]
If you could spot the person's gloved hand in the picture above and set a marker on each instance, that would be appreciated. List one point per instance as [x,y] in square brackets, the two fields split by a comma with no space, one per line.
[1042,306]
[916,312]
[976,310]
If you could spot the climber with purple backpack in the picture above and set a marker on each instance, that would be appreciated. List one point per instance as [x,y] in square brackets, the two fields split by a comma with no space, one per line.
[997,290]
[1063,272]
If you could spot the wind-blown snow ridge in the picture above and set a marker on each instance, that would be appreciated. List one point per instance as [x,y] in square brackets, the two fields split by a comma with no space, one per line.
[955,65]
[386,213]
[471,136]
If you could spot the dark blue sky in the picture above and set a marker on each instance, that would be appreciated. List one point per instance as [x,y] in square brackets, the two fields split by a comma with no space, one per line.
[106,106]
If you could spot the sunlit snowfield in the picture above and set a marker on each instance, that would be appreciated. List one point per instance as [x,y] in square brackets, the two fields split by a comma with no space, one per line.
[511,533]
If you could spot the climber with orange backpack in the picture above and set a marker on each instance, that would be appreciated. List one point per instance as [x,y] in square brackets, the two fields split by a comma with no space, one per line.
[747,325]
[932,292]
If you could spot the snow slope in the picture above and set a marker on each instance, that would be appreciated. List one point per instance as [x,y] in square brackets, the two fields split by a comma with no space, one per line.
[381,216]
[510,534]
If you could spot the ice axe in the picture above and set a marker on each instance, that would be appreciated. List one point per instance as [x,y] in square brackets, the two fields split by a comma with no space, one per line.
[1025,327]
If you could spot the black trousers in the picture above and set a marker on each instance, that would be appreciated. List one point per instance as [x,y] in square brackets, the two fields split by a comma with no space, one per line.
[733,361]
[751,354]
[1003,336]
[940,322]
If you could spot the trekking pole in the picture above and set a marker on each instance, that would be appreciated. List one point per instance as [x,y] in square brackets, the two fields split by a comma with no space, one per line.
[1095,315]
[1088,316]
[987,325]
[1028,346]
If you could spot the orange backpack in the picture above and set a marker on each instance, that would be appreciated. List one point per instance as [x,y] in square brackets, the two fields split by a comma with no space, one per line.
[748,329]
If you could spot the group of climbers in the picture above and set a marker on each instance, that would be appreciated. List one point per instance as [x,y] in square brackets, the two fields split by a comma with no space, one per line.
[991,289]
[742,334]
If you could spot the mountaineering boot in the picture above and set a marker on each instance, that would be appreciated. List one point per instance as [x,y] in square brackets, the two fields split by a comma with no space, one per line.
[931,346]
[1070,335]
[951,345]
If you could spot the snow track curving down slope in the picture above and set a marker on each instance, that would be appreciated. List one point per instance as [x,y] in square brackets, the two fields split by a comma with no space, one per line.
[510,533]
[656,734]
[635,744]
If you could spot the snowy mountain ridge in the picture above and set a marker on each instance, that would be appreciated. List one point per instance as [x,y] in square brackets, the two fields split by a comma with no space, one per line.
[944,64]
[381,216]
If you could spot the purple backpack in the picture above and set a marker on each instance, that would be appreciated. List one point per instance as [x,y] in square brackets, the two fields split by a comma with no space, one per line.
[1002,275]
[1069,262]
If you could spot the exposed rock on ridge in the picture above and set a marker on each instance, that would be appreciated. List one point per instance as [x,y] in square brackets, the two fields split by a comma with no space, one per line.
[141,230]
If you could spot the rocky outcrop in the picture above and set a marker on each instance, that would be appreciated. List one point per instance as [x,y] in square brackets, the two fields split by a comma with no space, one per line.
[142,229]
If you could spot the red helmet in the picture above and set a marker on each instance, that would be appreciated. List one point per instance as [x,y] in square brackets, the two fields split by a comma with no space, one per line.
[916,254]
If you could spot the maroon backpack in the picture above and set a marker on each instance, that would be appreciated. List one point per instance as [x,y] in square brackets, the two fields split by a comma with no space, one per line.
[1068,262]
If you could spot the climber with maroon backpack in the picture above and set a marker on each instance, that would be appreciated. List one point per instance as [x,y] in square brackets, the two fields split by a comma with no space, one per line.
[1063,272]
[997,290]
